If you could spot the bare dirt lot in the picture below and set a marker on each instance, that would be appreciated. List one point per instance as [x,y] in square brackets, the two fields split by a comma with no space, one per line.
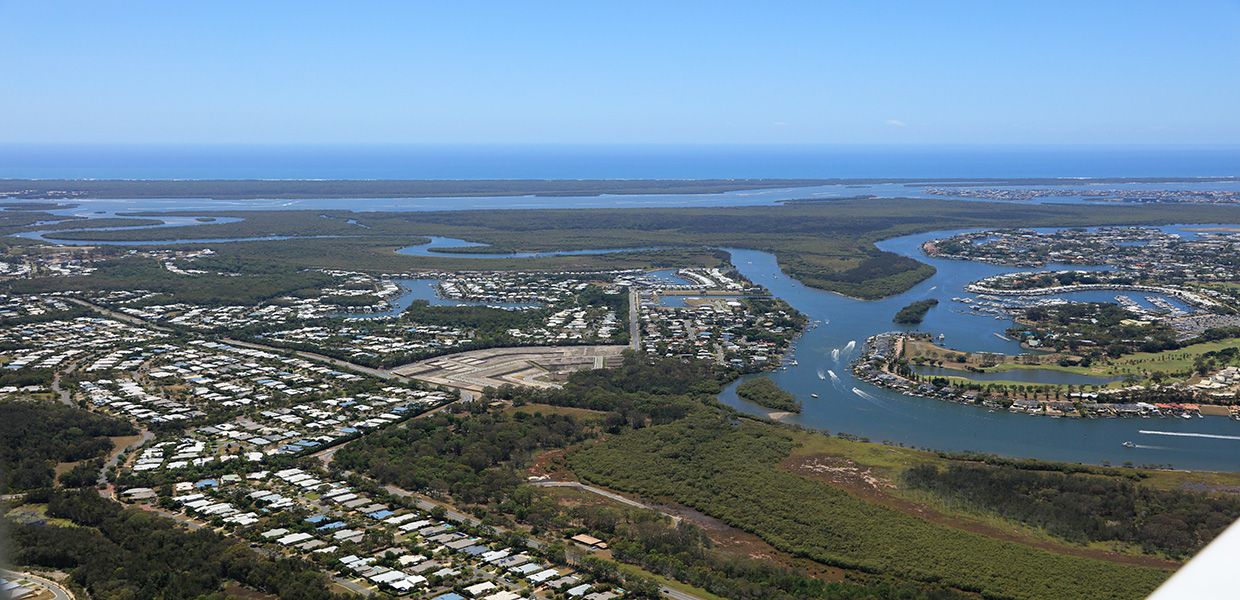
[537,366]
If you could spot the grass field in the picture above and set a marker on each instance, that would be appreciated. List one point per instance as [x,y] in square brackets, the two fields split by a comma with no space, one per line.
[1170,362]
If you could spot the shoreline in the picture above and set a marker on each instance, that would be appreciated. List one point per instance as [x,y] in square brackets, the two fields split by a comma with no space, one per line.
[1092,405]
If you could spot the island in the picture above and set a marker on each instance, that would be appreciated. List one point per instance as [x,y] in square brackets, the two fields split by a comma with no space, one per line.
[765,392]
[915,312]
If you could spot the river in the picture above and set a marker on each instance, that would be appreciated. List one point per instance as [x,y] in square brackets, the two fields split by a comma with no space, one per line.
[878,414]
[885,415]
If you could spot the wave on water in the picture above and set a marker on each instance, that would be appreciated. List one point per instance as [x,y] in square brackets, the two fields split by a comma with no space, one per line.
[864,394]
[1213,436]
[850,345]
[835,354]
[835,379]
[821,375]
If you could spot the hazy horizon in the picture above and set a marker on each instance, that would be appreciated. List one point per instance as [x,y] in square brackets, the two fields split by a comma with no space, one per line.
[804,72]
[609,161]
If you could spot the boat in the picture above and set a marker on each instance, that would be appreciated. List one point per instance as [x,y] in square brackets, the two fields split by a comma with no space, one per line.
[1186,416]
[813,395]
[821,375]
[1129,445]
[835,354]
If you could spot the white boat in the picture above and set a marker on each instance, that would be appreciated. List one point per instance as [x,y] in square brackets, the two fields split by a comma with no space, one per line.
[835,354]
[813,395]
[822,375]
[1129,445]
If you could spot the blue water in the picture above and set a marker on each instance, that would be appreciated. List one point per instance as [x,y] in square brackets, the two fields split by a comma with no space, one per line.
[425,289]
[669,276]
[608,161]
[881,414]
[441,247]
[105,208]
[884,415]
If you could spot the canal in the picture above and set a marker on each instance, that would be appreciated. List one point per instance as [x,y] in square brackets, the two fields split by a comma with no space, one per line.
[884,415]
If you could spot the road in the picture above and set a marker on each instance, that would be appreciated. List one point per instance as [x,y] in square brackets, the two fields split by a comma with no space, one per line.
[120,316]
[110,465]
[167,514]
[353,586]
[61,393]
[59,592]
[326,455]
[423,503]
[676,594]
[459,517]
[604,493]
[344,364]
[635,328]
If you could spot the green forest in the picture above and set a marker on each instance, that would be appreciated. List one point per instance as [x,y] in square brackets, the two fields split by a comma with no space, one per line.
[35,436]
[728,469]
[473,458]
[660,434]
[829,245]
[120,553]
[915,312]
[765,392]
[1085,507]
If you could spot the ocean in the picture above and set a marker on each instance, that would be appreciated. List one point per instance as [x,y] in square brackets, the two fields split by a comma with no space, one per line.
[47,161]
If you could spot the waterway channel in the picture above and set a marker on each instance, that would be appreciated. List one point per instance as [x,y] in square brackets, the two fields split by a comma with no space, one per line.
[885,415]
[849,405]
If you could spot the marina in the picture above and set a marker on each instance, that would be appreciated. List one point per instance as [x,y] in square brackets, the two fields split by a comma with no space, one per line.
[884,415]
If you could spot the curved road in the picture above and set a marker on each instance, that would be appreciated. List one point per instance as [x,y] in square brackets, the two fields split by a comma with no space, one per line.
[59,592]
[110,466]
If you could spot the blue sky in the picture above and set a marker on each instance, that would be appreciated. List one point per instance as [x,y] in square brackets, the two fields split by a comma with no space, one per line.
[997,72]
